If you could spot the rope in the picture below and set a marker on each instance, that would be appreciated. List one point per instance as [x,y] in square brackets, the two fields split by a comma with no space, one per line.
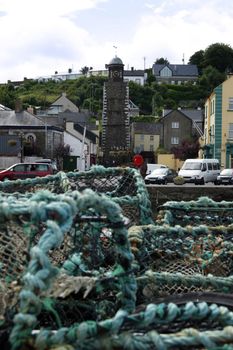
[58,217]
[121,331]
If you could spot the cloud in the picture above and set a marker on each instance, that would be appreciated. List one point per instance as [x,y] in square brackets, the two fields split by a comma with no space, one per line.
[173,28]
[40,36]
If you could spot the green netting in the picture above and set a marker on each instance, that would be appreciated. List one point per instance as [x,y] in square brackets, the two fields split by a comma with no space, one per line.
[73,277]
[49,219]
[202,211]
[124,185]
[179,260]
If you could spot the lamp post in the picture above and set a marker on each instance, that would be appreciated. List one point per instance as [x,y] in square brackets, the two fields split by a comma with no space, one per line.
[46,136]
[21,137]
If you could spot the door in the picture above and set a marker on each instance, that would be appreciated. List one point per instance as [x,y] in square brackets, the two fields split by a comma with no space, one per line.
[19,172]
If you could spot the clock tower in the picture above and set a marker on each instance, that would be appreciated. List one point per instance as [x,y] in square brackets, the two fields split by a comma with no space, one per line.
[115,119]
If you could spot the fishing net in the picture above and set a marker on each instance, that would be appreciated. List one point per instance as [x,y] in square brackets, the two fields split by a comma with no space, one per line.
[75,273]
[54,183]
[202,211]
[177,260]
[94,277]
[124,185]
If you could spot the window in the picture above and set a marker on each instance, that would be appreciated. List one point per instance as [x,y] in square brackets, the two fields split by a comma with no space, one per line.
[166,72]
[42,167]
[210,166]
[230,101]
[151,137]
[142,147]
[175,140]
[230,136]
[142,137]
[175,125]
[151,148]
[19,167]
[216,166]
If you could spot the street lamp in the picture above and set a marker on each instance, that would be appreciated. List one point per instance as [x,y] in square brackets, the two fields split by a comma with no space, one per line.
[21,146]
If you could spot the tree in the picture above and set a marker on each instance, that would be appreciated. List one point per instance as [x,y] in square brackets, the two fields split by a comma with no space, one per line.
[7,96]
[84,70]
[150,76]
[161,60]
[219,56]
[60,152]
[211,78]
[198,59]
[187,149]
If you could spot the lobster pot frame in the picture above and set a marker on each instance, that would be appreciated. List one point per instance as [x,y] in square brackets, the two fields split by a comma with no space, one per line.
[179,260]
[202,211]
[92,276]
[124,186]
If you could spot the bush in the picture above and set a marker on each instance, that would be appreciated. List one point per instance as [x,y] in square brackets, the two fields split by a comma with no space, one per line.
[179,180]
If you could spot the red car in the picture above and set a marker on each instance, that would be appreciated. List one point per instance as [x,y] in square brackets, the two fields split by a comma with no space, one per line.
[25,170]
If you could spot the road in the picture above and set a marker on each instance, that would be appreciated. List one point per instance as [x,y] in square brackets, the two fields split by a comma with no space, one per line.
[209,184]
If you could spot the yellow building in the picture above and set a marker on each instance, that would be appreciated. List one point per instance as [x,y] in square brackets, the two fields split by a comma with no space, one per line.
[145,137]
[218,126]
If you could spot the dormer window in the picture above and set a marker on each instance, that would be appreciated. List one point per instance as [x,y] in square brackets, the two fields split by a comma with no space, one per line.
[166,72]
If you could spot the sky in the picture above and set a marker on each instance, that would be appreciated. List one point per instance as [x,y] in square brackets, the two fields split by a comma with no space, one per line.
[39,37]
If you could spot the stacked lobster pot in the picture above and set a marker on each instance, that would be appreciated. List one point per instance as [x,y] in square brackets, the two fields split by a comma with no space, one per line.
[84,266]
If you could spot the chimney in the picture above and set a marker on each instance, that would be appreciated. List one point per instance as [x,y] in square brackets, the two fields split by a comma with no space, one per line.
[18,106]
[132,68]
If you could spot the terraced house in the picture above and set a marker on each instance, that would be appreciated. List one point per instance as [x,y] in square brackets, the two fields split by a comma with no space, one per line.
[218,126]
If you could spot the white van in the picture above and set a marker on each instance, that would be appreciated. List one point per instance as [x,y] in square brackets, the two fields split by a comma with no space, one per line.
[151,167]
[200,171]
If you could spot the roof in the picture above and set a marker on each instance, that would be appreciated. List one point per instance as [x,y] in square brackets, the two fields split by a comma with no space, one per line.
[147,128]
[133,73]
[24,118]
[194,114]
[3,108]
[116,60]
[177,69]
[76,117]
[89,134]
[64,102]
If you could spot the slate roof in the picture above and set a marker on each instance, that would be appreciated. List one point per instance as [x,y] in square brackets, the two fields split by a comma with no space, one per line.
[134,72]
[194,114]
[177,69]
[76,117]
[147,128]
[64,101]
[24,118]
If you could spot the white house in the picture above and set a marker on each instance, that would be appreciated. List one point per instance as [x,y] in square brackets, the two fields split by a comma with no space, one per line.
[83,143]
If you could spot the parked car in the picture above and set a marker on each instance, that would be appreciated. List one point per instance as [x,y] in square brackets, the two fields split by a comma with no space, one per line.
[49,161]
[150,167]
[200,171]
[161,176]
[26,170]
[225,177]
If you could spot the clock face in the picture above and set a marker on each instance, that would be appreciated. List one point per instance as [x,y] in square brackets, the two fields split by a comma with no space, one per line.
[115,73]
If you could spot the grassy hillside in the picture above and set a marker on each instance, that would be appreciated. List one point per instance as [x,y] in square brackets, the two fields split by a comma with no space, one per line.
[87,93]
